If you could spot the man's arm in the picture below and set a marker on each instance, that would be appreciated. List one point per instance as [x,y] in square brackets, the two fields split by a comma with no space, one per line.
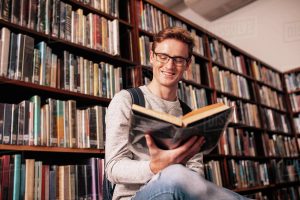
[120,165]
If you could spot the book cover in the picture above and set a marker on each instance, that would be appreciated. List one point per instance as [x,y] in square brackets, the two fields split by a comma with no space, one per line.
[169,132]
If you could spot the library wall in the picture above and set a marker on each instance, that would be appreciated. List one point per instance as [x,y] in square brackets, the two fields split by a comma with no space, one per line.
[254,30]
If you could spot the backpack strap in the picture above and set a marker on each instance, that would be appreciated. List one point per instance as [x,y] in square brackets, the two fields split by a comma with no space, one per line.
[185,108]
[137,96]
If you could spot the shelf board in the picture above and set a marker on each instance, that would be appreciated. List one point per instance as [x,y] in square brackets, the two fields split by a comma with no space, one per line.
[54,92]
[253,188]
[244,126]
[55,41]
[19,148]
[147,33]
[270,86]
[222,66]
[273,108]
[296,112]
[235,97]
[265,187]
[294,91]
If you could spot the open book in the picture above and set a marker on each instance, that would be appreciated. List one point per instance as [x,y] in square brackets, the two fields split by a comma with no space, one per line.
[169,131]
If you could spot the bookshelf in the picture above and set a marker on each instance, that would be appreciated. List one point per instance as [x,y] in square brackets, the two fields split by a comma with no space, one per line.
[253,145]
[61,63]
[101,47]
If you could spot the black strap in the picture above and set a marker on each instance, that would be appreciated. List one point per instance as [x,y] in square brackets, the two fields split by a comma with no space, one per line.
[137,96]
[185,108]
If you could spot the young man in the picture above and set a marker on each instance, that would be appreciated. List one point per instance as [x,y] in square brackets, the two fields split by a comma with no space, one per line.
[165,174]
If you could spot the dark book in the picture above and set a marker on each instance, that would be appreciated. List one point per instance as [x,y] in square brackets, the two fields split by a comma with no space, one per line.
[27,63]
[24,12]
[5,176]
[15,11]
[20,56]
[7,123]
[169,132]
[32,14]
[14,123]
[52,182]
[21,123]
[55,18]
[13,60]
[36,66]
[41,16]
[27,120]
[5,11]
[62,20]
[2,106]
[93,127]
[68,23]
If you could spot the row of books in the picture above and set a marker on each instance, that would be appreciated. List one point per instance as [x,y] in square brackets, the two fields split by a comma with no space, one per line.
[284,170]
[221,54]
[278,145]
[275,121]
[59,20]
[95,32]
[154,20]
[212,172]
[199,42]
[38,64]
[292,81]
[241,173]
[55,123]
[237,142]
[110,7]
[271,98]
[225,81]
[24,178]
[266,75]
[192,96]
[292,193]
[193,73]
[145,47]
[247,173]
[244,113]
[295,102]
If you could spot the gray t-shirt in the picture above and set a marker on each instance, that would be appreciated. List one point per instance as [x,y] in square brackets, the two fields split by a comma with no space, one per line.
[124,168]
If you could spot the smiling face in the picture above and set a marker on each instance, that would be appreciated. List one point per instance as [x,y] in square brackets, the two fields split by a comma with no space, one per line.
[168,75]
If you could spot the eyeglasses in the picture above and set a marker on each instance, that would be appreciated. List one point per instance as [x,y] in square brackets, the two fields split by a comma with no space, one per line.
[177,60]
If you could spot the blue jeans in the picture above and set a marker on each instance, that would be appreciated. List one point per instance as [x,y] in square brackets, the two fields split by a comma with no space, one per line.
[177,182]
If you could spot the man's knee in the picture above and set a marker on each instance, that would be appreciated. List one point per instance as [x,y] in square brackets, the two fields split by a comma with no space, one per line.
[181,178]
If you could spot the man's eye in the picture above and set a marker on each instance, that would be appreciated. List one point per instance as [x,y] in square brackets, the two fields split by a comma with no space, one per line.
[163,57]
[179,60]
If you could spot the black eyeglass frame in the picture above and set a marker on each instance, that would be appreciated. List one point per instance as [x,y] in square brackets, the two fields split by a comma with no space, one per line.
[187,60]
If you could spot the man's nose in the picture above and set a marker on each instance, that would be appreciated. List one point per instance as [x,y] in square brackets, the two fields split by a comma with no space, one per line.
[170,63]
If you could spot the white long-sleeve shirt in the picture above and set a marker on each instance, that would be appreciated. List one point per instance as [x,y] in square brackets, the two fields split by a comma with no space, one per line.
[127,170]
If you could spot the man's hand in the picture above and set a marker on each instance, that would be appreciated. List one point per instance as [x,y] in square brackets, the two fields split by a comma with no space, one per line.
[160,159]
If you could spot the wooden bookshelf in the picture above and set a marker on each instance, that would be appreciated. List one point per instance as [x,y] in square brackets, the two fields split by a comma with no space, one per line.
[268,79]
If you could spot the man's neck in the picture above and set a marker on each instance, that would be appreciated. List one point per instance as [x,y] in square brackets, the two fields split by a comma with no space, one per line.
[166,93]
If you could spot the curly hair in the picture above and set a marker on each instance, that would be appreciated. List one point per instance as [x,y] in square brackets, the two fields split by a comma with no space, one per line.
[177,33]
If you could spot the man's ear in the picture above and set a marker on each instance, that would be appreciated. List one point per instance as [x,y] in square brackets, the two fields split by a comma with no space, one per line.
[151,56]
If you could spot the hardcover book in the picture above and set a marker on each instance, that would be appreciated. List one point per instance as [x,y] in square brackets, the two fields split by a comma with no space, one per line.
[169,132]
